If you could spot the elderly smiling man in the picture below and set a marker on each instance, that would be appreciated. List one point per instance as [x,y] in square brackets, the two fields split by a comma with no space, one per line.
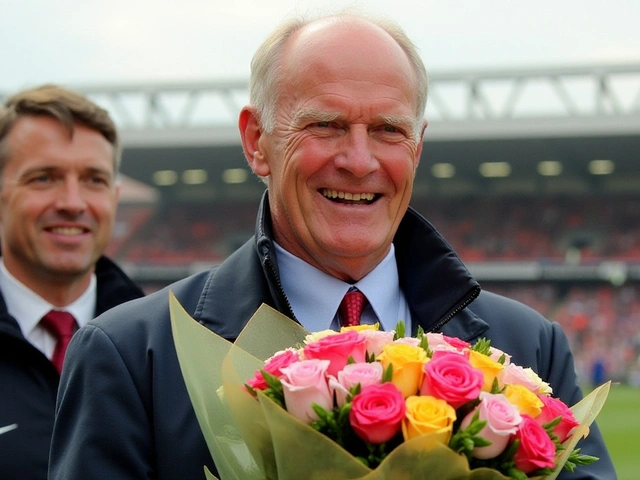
[335,128]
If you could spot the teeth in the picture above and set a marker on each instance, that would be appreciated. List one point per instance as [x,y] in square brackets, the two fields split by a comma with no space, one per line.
[355,197]
[67,230]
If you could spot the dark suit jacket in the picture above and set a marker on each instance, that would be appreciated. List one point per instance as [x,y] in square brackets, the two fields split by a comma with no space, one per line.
[29,383]
[124,411]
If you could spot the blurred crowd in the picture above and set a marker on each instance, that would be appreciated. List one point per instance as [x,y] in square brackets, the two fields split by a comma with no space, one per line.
[602,321]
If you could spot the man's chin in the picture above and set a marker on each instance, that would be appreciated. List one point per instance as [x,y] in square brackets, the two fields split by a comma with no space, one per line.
[356,244]
[69,269]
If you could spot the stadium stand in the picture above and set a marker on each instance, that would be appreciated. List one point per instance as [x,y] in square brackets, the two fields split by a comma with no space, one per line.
[480,229]
[601,319]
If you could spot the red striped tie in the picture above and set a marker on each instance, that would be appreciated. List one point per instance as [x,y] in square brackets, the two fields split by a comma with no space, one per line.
[61,325]
[351,308]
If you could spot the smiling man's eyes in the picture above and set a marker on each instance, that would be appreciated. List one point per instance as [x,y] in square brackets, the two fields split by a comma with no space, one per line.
[39,178]
[90,179]
[322,124]
[45,177]
[385,128]
[99,179]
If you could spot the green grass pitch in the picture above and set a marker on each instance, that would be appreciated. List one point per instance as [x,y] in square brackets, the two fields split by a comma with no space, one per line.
[619,422]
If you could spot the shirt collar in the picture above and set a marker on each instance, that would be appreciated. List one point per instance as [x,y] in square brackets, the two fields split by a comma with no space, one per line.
[315,299]
[28,308]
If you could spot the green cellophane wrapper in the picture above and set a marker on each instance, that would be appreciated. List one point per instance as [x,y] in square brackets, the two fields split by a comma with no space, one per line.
[251,439]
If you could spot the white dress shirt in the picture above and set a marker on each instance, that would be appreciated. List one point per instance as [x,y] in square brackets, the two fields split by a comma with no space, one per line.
[315,296]
[28,308]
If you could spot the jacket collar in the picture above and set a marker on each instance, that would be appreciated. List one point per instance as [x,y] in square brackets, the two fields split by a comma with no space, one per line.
[113,288]
[437,285]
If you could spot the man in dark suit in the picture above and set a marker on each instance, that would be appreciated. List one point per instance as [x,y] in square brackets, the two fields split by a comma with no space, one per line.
[59,158]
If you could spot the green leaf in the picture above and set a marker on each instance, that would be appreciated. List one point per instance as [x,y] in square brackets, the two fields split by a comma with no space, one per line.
[275,391]
[495,387]
[576,459]
[353,391]
[465,440]
[387,375]
[400,330]
[251,390]
[516,474]
[482,346]
[424,342]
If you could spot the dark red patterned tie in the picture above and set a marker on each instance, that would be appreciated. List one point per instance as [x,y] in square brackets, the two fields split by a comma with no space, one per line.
[351,308]
[61,325]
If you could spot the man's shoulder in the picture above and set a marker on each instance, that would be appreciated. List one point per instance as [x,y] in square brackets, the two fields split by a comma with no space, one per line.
[515,327]
[113,285]
[498,310]
[151,312]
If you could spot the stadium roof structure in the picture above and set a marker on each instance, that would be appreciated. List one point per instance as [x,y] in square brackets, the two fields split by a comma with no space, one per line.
[563,130]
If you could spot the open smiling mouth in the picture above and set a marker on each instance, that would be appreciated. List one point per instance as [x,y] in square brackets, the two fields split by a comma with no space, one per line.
[349,198]
[67,231]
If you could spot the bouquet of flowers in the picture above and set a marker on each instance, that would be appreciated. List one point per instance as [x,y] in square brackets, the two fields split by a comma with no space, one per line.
[363,403]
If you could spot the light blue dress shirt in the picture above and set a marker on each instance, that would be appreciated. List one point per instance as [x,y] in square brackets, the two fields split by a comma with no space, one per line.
[315,296]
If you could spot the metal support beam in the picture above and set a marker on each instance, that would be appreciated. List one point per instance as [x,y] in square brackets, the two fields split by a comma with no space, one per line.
[599,99]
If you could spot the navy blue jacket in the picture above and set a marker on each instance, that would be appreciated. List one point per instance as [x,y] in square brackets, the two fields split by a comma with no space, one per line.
[29,383]
[123,408]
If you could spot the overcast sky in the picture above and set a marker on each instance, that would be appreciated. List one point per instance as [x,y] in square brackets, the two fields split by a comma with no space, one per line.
[98,42]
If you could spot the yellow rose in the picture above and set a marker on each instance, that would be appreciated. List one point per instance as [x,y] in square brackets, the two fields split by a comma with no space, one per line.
[428,415]
[407,362]
[489,368]
[359,328]
[523,398]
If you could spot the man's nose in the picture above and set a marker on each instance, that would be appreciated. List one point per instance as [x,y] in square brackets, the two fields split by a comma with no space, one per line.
[356,154]
[70,196]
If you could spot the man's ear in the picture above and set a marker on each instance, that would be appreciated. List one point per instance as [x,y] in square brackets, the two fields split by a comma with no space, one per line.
[250,134]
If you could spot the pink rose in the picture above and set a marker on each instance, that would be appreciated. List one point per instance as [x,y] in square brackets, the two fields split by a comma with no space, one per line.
[554,408]
[273,366]
[456,342]
[304,384]
[536,448]
[495,354]
[450,377]
[337,349]
[502,420]
[437,341]
[377,412]
[376,339]
[516,375]
[364,374]
[411,341]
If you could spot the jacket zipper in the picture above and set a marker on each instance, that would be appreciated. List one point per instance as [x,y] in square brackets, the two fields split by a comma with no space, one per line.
[276,279]
[474,294]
